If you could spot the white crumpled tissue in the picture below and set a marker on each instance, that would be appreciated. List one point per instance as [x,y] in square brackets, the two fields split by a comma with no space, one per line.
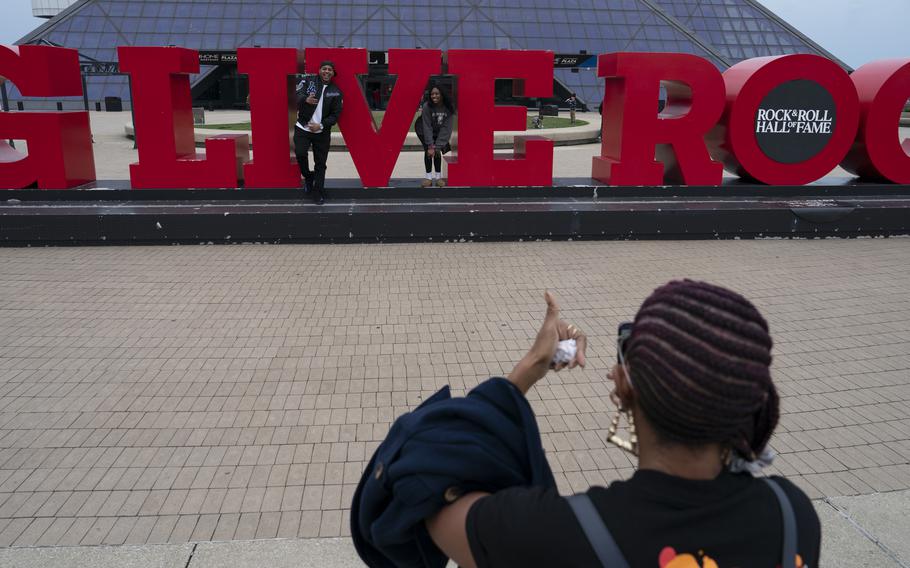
[565,352]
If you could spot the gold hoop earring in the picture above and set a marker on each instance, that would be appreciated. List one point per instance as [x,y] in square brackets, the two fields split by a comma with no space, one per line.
[630,445]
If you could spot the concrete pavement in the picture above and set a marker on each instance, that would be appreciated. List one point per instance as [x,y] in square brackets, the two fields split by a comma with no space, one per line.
[868,531]
[200,405]
[310,553]
[172,395]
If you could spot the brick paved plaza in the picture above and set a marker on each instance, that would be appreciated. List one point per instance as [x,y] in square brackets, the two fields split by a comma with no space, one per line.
[182,394]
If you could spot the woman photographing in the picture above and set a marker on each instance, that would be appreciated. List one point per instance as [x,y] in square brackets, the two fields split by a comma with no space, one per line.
[693,382]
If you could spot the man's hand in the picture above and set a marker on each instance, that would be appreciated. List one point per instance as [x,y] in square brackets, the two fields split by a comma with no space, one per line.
[312,100]
[535,364]
[314,126]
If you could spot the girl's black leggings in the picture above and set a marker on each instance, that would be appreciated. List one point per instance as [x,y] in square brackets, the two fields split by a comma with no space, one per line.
[435,161]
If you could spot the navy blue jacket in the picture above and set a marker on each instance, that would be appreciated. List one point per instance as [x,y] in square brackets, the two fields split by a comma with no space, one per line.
[486,441]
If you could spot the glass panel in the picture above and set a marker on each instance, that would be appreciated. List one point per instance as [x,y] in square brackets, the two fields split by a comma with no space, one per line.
[732,29]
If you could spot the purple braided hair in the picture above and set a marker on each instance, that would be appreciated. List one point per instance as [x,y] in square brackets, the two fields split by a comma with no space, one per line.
[700,359]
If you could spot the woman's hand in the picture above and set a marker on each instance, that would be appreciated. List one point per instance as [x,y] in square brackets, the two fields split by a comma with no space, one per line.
[535,364]
[431,151]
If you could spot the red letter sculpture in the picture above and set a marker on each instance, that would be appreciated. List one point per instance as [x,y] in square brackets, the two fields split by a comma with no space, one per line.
[59,143]
[375,151]
[883,88]
[163,114]
[789,120]
[478,116]
[272,111]
[634,133]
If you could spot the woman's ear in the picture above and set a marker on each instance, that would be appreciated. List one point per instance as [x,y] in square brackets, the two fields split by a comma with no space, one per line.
[624,390]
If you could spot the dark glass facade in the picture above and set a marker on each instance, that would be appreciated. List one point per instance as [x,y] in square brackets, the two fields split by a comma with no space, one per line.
[723,31]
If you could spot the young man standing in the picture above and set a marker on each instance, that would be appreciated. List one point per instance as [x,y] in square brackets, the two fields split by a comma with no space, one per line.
[318,109]
[573,105]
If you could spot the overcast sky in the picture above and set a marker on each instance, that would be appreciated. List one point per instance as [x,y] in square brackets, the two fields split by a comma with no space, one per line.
[856,31]
[17,20]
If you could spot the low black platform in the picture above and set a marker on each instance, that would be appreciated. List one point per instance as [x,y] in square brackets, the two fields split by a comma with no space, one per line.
[110,213]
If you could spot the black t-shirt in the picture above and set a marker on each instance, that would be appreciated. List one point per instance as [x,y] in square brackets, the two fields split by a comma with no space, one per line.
[733,521]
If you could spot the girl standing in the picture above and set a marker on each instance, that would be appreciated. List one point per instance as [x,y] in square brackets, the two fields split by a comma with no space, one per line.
[434,128]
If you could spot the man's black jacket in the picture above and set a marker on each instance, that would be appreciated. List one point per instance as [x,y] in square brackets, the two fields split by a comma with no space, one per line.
[486,441]
[331,108]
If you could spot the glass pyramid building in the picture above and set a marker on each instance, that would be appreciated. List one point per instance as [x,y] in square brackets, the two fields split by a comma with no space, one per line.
[723,31]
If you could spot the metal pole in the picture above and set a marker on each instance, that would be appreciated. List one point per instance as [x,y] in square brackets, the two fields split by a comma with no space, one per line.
[129,78]
[84,92]
[5,100]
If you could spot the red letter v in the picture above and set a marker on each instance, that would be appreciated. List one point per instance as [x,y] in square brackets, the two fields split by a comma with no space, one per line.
[375,150]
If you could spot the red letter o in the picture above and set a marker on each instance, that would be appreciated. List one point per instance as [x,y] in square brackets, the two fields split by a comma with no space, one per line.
[750,83]
[878,153]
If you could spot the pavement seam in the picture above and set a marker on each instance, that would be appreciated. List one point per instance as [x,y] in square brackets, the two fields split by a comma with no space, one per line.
[192,552]
[882,546]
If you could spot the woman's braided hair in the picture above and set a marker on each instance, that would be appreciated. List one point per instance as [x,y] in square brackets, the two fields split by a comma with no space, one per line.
[700,358]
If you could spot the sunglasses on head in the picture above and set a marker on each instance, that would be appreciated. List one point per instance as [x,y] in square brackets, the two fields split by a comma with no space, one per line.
[622,336]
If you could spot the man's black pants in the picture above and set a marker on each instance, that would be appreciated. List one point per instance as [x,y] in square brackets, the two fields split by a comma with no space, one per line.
[320,143]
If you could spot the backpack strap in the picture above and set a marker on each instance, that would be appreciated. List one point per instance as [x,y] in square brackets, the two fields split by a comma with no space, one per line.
[608,552]
[597,532]
[789,518]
